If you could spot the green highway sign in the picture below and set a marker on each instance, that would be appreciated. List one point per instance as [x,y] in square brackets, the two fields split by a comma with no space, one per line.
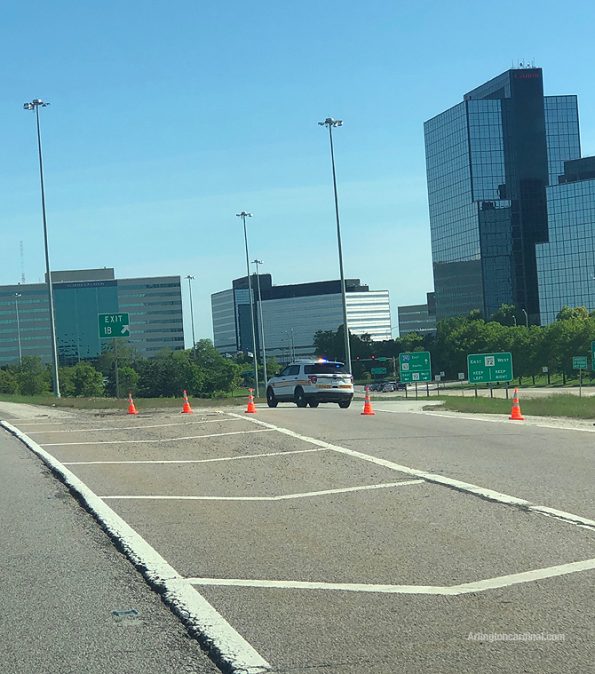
[113,325]
[579,362]
[378,370]
[415,366]
[485,368]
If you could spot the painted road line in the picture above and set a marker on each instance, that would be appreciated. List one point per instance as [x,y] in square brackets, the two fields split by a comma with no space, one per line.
[226,646]
[283,497]
[492,418]
[503,419]
[223,458]
[525,577]
[147,442]
[452,590]
[129,428]
[435,478]
[562,515]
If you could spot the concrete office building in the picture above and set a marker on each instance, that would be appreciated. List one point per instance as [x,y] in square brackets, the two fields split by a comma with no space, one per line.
[489,161]
[566,264]
[420,318]
[154,306]
[292,314]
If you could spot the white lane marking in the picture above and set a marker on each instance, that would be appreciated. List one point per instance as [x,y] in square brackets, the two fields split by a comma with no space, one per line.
[304,585]
[283,497]
[562,515]
[503,419]
[220,638]
[466,487]
[525,577]
[223,458]
[463,588]
[493,419]
[147,442]
[128,428]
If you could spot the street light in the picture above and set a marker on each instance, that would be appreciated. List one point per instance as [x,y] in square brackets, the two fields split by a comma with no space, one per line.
[290,343]
[245,215]
[16,308]
[191,278]
[264,352]
[35,104]
[329,122]
[526,318]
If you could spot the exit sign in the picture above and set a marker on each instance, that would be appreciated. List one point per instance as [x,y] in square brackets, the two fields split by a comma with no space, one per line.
[113,325]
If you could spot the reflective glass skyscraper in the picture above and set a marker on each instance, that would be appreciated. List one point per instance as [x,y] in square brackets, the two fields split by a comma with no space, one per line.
[489,160]
[566,264]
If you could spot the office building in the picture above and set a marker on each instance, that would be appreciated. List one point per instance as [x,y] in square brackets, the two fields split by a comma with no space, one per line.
[292,314]
[420,318]
[566,264]
[489,160]
[154,306]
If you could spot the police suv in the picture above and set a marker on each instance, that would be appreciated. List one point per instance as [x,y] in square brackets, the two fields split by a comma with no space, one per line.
[311,382]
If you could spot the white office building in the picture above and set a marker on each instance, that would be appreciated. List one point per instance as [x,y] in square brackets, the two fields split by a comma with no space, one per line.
[292,314]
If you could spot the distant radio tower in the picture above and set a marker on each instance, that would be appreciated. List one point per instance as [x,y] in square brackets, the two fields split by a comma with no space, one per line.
[22,249]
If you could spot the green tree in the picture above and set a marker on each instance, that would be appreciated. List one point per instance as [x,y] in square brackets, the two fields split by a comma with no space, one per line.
[568,313]
[168,374]
[127,356]
[566,338]
[217,372]
[32,376]
[8,381]
[66,383]
[128,379]
[87,381]
[507,314]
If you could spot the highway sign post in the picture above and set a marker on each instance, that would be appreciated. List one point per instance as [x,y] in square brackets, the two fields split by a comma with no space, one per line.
[580,363]
[112,326]
[461,376]
[415,367]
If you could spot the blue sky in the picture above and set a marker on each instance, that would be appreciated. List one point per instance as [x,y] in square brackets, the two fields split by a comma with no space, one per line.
[167,118]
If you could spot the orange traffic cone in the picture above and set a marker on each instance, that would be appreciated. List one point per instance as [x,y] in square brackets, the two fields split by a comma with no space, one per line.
[368,411]
[251,409]
[186,409]
[131,408]
[515,413]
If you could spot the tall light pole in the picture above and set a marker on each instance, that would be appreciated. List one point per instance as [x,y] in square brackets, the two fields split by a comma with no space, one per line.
[330,123]
[290,344]
[526,318]
[35,104]
[245,215]
[191,278]
[16,308]
[264,351]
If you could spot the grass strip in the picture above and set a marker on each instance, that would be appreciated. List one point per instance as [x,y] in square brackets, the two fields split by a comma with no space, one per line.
[551,406]
[49,400]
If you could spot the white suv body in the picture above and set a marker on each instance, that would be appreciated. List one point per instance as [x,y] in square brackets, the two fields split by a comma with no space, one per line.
[311,382]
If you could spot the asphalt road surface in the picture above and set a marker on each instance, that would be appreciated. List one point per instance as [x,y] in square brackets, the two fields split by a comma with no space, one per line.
[321,540]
